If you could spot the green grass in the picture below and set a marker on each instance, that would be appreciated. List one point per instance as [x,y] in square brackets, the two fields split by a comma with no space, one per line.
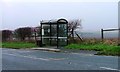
[0,44]
[18,45]
[103,49]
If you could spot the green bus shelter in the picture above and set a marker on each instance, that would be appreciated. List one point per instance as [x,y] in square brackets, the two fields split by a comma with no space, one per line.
[54,33]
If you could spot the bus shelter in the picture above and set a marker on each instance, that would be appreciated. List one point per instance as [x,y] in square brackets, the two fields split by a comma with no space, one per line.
[54,33]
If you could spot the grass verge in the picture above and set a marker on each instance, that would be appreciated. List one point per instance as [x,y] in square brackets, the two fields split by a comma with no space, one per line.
[103,49]
[18,45]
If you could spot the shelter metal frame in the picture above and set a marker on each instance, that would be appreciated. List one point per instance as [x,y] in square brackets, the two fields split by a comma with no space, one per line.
[50,23]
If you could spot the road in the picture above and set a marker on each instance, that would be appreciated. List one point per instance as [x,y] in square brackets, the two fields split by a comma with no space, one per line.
[13,59]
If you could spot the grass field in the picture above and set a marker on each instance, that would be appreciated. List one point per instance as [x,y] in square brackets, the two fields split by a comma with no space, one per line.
[18,45]
[102,48]
[106,47]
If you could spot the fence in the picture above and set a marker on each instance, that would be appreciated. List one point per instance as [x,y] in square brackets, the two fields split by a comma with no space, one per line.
[102,33]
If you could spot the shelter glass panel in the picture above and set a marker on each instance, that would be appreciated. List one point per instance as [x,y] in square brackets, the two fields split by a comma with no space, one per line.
[62,35]
[53,35]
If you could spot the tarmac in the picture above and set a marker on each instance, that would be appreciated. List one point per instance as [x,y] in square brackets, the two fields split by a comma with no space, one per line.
[20,59]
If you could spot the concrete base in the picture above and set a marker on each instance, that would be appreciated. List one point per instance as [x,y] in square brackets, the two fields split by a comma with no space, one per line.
[47,49]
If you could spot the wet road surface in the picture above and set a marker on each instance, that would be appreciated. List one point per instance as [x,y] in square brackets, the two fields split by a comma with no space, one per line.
[14,59]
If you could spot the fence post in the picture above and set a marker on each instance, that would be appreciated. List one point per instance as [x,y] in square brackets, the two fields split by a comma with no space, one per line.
[35,35]
[119,37]
[102,37]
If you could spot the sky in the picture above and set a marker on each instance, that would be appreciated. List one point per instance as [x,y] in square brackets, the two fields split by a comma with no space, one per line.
[95,14]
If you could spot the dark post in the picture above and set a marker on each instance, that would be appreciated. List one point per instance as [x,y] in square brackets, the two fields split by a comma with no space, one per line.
[41,34]
[102,37]
[50,33]
[119,37]
[67,33]
[57,34]
[35,35]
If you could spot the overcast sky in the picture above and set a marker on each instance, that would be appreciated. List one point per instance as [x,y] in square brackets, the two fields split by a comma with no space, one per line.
[94,15]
